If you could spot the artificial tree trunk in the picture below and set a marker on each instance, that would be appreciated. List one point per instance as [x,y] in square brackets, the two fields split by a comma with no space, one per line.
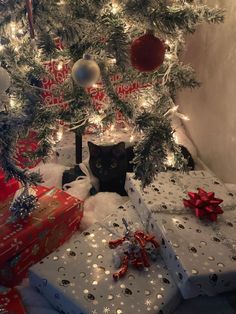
[73,173]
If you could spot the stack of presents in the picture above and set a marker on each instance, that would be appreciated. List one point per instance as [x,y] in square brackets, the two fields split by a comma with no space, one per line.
[187,219]
[172,240]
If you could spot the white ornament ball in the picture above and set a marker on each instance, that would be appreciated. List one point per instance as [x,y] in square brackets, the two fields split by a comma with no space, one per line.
[5,80]
[85,72]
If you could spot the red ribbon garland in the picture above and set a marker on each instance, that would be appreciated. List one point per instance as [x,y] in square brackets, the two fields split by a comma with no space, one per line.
[140,238]
[204,204]
[29,7]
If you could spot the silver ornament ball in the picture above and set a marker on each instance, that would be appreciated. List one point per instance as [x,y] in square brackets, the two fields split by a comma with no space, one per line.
[5,80]
[85,72]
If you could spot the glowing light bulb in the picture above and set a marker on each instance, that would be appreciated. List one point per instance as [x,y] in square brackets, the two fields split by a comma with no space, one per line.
[131,138]
[13,29]
[167,42]
[96,119]
[176,139]
[170,159]
[175,108]
[112,127]
[186,118]
[13,26]
[95,85]
[112,61]
[115,8]
[182,116]
[168,56]
[60,133]
[60,66]
[13,103]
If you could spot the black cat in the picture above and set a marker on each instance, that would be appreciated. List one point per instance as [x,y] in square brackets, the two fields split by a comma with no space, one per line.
[110,164]
[188,157]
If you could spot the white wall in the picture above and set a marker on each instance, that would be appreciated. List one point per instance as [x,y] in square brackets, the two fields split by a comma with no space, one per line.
[212,108]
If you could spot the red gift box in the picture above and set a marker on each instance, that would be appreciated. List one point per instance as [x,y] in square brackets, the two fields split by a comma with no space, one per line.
[7,188]
[28,145]
[25,242]
[10,302]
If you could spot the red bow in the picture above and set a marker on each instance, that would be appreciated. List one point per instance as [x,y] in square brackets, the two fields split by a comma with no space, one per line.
[205,204]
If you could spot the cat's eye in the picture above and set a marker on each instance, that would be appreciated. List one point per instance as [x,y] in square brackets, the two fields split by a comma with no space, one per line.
[113,164]
[98,164]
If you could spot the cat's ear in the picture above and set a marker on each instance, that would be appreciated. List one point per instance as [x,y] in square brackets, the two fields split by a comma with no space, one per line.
[94,149]
[119,150]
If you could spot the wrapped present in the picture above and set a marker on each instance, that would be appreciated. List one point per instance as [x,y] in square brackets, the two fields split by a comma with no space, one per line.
[78,278]
[7,188]
[24,242]
[26,146]
[59,73]
[10,301]
[199,252]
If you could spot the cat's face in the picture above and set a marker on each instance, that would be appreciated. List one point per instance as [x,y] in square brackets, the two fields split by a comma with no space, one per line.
[107,162]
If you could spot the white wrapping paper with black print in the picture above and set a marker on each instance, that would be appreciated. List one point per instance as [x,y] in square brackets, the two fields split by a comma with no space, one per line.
[77,278]
[200,254]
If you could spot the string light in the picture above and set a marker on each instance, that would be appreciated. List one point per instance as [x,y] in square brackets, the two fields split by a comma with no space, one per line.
[112,61]
[115,7]
[20,31]
[96,119]
[169,56]
[182,116]
[131,139]
[167,42]
[60,66]
[13,103]
[176,139]
[172,110]
[170,159]
[13,29]
[175,108]
[60,133]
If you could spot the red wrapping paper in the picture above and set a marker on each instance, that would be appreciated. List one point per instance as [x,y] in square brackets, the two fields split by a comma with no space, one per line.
[27,145]
[25,242]
[7,188]
[10,302]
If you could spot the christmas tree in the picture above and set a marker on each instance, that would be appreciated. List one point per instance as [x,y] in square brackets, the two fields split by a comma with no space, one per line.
[141,40]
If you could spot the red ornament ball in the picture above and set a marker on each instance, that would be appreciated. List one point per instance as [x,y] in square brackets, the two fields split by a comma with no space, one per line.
[147,53]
